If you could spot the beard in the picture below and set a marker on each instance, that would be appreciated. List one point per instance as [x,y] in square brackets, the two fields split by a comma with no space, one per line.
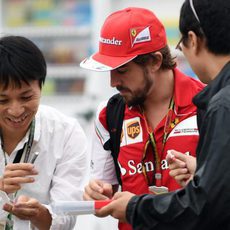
[138,96]
[137,99]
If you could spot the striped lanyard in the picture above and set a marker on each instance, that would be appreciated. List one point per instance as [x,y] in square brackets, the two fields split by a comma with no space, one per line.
[26,148]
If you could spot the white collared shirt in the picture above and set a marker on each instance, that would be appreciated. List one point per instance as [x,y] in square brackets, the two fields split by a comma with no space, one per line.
[61,163]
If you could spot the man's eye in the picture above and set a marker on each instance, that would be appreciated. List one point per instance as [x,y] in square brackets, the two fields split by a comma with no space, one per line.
[26,98]
[3,101]
[122,70]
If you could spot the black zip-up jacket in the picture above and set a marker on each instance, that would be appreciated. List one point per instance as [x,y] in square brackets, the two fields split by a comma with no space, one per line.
[205,202]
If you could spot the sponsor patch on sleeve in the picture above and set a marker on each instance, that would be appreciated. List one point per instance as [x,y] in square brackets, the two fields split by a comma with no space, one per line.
[186,127]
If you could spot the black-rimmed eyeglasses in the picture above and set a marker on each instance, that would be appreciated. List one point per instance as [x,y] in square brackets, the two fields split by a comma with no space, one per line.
[178,47]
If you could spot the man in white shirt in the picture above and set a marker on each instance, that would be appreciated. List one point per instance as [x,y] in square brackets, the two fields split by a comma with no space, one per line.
[43,152]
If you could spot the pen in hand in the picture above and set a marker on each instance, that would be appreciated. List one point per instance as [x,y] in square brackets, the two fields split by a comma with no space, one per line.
[34,157]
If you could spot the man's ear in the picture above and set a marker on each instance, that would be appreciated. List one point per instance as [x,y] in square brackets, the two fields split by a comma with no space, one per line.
[193,42]
[156,61]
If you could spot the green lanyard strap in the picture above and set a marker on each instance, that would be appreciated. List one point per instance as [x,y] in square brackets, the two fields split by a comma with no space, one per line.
[26,149]
[152,141]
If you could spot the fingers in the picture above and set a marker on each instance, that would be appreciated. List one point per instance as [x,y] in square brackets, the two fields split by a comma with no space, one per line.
[117,208]
[17,174]
[170,157]
[97,190]
[177,164]
[25,208]
[19,170]
[105,211]
[12,185]
[175,154]
[181,160]
[23,198]
[108,190]
[20,166]
[8,207]
[178,171]
[183,177]
[179,167]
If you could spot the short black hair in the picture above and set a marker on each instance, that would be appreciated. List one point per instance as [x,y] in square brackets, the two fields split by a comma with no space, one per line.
[20,61]
[214,26]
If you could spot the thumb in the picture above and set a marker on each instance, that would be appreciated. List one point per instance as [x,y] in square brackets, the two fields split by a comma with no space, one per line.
[179,155]
[170,157]
[22,198]
[108,190]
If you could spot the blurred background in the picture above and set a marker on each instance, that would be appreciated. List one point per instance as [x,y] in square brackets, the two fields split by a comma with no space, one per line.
[67,31]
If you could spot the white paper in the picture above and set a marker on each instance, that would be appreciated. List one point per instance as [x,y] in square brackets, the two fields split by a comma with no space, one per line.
[73,207]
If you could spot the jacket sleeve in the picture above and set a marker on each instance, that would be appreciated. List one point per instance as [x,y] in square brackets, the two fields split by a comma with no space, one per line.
[204,203]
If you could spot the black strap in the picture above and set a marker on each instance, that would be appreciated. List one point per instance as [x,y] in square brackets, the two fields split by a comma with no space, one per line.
[114,117]
[19,155]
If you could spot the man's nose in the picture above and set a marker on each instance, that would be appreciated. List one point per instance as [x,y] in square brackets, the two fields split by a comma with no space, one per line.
[114,80]
[16,109]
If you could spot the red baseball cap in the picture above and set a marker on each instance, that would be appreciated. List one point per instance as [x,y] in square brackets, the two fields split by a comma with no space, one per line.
[126,34]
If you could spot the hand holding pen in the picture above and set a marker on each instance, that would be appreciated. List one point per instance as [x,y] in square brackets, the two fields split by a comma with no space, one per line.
[17,174]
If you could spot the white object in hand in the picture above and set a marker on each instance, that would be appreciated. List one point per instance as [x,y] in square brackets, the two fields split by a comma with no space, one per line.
[77,207]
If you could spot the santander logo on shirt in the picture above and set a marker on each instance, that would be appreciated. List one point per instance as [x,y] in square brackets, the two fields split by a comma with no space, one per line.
[136,167]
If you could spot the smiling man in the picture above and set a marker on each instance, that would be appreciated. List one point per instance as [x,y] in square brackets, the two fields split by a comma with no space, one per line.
[42,154]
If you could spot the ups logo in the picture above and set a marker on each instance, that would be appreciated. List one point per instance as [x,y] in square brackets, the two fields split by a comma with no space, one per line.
[133,129]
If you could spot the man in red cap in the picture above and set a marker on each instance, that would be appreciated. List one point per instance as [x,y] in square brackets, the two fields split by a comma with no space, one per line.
[158,111]
[204,203]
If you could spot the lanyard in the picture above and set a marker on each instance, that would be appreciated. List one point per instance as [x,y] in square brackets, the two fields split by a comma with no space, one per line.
[26,148]
[152,141]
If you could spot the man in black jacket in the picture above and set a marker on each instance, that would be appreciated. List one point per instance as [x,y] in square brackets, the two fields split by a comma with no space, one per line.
[205,202]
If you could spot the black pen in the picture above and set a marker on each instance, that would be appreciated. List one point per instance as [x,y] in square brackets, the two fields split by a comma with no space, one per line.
[34,157]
